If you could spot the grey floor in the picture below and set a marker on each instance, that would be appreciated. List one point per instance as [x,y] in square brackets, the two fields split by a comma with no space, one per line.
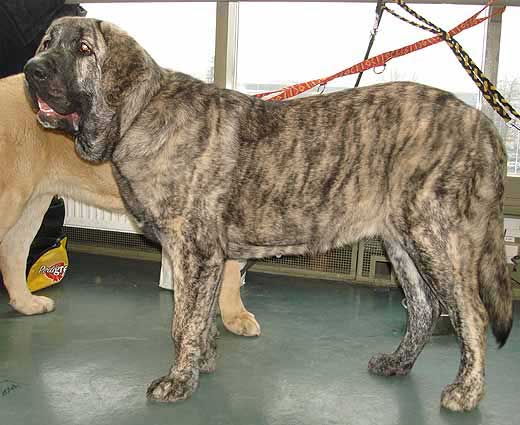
[90,361]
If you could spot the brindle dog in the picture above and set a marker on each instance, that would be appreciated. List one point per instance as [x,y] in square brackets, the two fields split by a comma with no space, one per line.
[214,174]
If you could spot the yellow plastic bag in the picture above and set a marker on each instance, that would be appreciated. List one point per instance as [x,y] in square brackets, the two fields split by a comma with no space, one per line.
[50,268]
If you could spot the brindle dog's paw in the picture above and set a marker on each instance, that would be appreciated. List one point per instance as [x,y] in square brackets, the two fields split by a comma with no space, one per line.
[459,397]
[173,388]
[33,304]
[243,324]
[388,365]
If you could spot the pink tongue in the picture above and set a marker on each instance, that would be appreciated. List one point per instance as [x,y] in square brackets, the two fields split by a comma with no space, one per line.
[73,118]
[44,107]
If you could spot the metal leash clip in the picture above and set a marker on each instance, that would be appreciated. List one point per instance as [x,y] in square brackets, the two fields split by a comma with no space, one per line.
[379,14]
[379,70]
[514,123]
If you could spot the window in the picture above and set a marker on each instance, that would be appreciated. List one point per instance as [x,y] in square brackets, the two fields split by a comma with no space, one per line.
[286,43]
[435,65]
[509,84]
[179,36]
[306,41]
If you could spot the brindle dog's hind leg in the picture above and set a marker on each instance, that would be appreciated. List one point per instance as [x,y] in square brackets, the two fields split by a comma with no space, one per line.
[423,312]
[198,265]
[449,260]
[470,321]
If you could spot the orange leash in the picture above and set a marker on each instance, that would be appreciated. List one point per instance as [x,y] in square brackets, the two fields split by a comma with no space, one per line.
[376,61]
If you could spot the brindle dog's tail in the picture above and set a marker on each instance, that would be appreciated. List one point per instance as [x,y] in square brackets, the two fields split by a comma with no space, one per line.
[495,284]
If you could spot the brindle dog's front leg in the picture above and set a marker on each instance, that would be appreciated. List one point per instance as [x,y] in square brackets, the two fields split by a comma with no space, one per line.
[197,272]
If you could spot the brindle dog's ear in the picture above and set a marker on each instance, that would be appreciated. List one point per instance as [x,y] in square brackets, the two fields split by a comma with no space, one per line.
[125,64]
[130,77]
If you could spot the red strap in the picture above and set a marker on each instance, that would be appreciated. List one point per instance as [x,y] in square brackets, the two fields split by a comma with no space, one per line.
[379,60]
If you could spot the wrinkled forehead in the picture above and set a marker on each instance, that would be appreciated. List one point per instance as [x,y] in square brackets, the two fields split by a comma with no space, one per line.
[74,28]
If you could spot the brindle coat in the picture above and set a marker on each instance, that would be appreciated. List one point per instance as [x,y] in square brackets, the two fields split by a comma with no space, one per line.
[215,174]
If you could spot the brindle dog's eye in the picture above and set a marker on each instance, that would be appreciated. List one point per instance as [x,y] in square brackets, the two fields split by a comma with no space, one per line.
[84,48]
[45,44]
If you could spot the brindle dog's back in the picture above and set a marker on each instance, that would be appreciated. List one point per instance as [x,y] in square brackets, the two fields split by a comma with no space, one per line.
[330,169]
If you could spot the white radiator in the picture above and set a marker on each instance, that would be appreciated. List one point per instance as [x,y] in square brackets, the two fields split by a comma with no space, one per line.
[78,214]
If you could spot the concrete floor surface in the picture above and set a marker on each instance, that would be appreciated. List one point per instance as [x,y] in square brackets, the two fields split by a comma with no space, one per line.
[90,361]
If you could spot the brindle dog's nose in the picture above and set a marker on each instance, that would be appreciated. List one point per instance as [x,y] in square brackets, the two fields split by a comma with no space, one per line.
[35,70]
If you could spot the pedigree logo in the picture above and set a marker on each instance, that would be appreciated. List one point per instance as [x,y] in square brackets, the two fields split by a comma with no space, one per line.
[56,272]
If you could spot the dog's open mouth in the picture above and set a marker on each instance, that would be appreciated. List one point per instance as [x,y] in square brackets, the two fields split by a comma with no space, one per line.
[48,117]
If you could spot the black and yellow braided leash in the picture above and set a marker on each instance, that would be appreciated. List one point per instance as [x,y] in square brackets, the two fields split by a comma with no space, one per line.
[488,89]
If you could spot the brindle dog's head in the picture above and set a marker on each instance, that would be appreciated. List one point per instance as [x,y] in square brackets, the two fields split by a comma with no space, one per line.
[90,79]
